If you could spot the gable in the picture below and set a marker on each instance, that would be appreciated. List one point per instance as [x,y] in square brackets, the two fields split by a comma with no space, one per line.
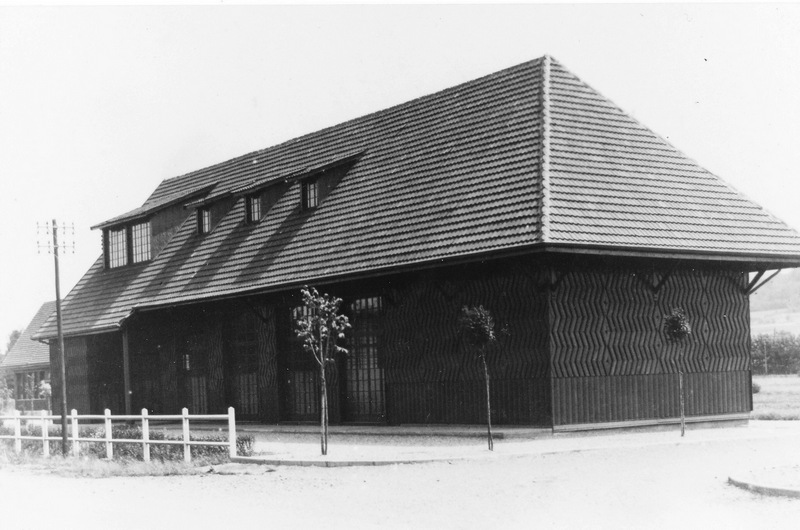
[26,351]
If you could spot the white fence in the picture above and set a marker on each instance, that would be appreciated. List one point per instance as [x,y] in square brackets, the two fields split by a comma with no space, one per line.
[74,419]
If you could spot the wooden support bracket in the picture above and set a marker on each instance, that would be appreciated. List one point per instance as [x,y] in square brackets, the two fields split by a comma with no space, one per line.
[752,287]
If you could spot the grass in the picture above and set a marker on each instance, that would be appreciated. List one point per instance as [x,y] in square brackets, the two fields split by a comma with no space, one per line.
[779,398]
[92,467]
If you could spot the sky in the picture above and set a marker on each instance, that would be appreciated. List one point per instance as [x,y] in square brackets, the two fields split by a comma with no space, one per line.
[99,104]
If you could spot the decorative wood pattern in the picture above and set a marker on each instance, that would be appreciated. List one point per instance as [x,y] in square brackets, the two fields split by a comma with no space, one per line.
[611,362]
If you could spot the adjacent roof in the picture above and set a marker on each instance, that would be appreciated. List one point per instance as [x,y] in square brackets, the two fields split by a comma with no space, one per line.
[27,352]
[529,157]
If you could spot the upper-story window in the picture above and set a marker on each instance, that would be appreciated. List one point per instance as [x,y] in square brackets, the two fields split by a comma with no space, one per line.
[253,208]
[203,220]
[141,242]
[117,248]
[310,193]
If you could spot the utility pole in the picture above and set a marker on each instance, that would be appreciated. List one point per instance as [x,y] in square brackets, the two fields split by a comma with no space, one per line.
[61,356]
[60,346]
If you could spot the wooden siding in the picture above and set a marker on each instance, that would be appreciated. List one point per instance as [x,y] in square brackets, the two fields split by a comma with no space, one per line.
[610,360]
[430,375]
[642,397]
[77,373]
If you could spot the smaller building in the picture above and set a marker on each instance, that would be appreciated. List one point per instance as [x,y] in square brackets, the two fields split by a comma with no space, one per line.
[27,364]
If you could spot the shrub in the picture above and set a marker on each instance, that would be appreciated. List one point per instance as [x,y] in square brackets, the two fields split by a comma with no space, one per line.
[756,388]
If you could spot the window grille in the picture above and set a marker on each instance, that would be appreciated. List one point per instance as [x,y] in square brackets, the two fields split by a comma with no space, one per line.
[117,247]
[141,242]
[253,208]
[310,192]
[204,221]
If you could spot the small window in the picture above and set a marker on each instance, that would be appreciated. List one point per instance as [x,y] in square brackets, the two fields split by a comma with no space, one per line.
[203,221]
[117,248]
[310,192]
[141,242]
[253,208]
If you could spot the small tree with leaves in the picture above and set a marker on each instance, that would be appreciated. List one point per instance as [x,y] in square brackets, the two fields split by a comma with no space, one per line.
[677,328]
[477,326]
[321,327]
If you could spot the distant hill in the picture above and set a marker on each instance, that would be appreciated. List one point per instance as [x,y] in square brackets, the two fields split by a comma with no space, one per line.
[780,293]
[775,307]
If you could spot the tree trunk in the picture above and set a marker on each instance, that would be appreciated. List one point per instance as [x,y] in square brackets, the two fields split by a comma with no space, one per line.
[683,406]
[323,415]
[488,404]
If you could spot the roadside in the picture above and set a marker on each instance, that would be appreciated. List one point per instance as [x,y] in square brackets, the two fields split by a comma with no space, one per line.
[608,481]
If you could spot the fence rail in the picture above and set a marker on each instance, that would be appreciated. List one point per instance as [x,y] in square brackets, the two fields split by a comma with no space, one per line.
[74,418]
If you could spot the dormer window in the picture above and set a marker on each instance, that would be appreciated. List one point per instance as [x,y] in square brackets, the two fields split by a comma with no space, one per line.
[141,242]
[310,193]
[203,220]
[253,206]
[117,248]
[128,244]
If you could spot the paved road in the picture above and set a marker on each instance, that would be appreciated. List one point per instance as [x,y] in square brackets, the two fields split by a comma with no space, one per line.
[611,485]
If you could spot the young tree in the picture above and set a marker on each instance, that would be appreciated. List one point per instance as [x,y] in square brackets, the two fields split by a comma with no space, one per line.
[477,326]
[320,328]
[677,328]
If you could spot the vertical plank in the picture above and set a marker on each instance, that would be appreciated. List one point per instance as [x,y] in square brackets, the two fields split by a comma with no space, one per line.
[109,435]
[145,436]
[187,449]
[76,449]
[232,432]
[17,432]
[45,441]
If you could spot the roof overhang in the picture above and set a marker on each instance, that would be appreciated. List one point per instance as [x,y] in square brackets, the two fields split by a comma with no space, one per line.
[146,211]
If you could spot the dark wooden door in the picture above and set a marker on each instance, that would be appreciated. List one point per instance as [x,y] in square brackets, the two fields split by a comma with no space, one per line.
[241,367]
[364,394]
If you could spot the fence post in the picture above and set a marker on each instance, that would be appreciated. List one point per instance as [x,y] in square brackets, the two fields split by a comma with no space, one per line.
[45,441]
[76,450]
[232,432]
[187,449]
[109,437]
[145,436]
[17,432]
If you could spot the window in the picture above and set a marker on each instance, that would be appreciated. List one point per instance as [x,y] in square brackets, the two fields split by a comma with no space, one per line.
[310,194]
[141,242]
[117,248]
[253,208]
[203,221]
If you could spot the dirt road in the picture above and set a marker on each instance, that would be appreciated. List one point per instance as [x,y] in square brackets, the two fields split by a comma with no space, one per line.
[673,486]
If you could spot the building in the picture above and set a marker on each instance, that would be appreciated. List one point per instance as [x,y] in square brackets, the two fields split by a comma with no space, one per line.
[27,364]
[525,191]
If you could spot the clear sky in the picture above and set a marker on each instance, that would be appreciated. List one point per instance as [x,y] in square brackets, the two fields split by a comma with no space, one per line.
[99,104]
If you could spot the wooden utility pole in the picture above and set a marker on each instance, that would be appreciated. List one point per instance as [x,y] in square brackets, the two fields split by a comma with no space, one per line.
[60,346]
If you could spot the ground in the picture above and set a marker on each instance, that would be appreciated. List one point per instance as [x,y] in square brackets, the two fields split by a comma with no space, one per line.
[621,481]
[779,397]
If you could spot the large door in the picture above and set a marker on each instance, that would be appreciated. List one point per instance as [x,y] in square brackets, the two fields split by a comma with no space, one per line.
[364,396]
[241,366]
[299,374]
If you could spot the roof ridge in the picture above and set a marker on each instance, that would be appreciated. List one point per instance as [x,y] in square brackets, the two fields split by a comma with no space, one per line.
[544,161]
[392,108]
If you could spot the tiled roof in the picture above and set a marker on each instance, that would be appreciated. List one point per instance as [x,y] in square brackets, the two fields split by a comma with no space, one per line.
[27,352]
[529,156]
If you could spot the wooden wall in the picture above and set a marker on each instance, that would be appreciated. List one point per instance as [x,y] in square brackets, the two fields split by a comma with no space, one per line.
[431,377]
[75,355]
[610,361]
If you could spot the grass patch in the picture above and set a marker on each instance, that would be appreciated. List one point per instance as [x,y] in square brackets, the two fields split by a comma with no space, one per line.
[778,399]
[92,467]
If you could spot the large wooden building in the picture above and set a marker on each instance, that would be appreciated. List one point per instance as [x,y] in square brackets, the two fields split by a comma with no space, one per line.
[525,191]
